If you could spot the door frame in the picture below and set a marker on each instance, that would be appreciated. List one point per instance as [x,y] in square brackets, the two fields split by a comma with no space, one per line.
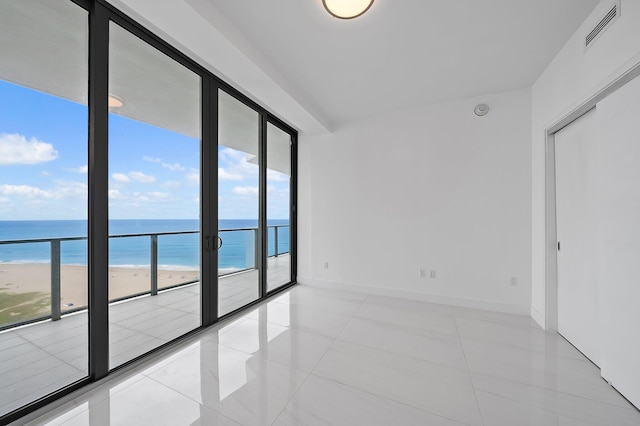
[551,226]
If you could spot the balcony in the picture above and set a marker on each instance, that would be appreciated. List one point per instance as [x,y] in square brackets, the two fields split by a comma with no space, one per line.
[44,336]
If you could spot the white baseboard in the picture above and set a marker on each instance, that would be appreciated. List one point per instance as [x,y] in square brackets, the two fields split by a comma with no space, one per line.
[538,317]
[486,305]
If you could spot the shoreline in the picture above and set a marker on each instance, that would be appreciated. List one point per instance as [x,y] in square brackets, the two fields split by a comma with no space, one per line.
[19,278]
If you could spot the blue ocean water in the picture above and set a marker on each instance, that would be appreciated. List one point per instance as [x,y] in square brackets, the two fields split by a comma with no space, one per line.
[174,251]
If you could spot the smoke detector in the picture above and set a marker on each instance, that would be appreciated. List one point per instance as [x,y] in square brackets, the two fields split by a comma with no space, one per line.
[481,110]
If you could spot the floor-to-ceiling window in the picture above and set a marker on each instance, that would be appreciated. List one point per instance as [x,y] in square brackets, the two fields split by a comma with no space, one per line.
[238,204]
[43,199]
[278,206]
[154,203]
[140,198]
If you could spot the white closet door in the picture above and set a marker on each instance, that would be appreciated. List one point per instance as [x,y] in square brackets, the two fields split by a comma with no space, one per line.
[619,126]
[577,227]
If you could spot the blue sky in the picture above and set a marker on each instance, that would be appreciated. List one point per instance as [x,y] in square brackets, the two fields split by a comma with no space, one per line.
[153,173]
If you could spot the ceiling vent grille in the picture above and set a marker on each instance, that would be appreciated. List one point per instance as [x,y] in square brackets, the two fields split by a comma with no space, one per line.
[606,22]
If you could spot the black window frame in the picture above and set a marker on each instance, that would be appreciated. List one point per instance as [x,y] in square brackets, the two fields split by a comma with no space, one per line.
[101,14]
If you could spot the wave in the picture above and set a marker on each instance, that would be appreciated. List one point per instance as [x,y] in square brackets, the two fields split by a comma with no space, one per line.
[24,262]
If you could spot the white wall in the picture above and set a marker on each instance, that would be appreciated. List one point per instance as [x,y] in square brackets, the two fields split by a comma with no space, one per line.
[434,187]
[572,77]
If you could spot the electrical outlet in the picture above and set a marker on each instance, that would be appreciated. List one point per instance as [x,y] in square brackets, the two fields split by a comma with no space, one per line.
[423,273]
[432,273]
[326,265]
[514,281]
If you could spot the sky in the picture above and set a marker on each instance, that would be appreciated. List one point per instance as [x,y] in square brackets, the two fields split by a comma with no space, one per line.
[153,173]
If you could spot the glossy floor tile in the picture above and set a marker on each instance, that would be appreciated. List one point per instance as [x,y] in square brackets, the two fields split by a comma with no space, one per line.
[548,371]
[322,402]
[285,345]
[246,388]
[429,346]
[40,358]
[435,388]
[504,402]
[313,356]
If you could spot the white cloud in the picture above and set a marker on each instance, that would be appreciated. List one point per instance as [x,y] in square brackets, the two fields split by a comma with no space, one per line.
[172,184]
[246,190]
[193,177]
[64,190]
[237,163]
[274,176]
[4,199]
[225,175]
[141,177]
[70,190]
[114,194]
[24,191]
[120,177]
[82,169]
[175,167]
[45,173]
[16,149]
[157,197]
[141,197]
[273,190]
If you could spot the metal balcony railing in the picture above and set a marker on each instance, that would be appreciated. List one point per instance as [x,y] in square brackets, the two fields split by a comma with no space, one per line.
[55,259]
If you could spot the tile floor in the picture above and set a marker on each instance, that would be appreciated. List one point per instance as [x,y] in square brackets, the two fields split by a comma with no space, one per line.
[38,359]
[314,356]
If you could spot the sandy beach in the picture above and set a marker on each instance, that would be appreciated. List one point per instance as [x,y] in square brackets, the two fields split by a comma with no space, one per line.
[36,277]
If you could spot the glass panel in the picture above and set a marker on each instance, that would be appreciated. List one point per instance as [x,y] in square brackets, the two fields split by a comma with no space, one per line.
[238,178]
[154,205]
[43,198]
[278,206]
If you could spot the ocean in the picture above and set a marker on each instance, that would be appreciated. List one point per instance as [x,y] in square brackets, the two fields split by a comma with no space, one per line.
[180,252]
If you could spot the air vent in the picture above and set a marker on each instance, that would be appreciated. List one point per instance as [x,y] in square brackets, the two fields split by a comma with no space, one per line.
[606,22]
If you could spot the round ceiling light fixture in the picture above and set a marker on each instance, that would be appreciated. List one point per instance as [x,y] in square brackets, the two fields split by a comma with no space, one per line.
[347,9]
[115,101]
[481,110]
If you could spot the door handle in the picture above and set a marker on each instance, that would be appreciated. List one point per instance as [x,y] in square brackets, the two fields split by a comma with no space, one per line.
[207,243]
[219,243]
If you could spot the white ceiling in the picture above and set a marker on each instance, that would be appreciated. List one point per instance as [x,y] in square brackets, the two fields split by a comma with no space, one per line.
[315,71]
[400,54]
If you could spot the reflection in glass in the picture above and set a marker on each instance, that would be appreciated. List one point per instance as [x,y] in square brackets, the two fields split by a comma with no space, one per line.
[238,206]
[154,204]
[278,203]
[43,199]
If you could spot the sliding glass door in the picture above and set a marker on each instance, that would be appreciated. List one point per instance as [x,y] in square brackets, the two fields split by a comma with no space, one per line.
[43,199]
[239,239]
[141,198]
[154,204]
[254,183]
[278,207]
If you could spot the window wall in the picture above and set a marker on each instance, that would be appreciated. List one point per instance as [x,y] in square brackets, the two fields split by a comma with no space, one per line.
[278,206]
[238,204]
[140,198]
[154,197]
[43,199]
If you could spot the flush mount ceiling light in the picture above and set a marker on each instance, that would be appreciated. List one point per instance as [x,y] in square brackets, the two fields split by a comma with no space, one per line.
[347,9]
[115,101]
